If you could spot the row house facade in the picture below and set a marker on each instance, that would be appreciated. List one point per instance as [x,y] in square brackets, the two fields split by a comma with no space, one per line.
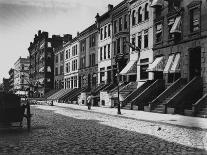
[120,35]
[59,63]
[11,80]
[42,62]
[71,64]
[88,64]
[104,24]
[180,39]
[141,32]
[21,75]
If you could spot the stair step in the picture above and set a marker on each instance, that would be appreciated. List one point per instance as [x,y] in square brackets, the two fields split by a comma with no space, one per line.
[158,111]
[202,116]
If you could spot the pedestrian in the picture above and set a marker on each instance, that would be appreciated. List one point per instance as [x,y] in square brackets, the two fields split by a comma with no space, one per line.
[89,101]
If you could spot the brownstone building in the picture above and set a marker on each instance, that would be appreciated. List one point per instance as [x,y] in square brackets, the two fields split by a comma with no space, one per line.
[180,50]
[42,62]
[88,64]
[120,35]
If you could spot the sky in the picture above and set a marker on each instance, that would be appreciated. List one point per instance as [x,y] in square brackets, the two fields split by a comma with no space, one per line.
[20,20]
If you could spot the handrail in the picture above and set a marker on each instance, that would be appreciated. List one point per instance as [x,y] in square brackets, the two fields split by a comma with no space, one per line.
[197,105]
[167,92]
[133,94]
[149,93]
[194,84]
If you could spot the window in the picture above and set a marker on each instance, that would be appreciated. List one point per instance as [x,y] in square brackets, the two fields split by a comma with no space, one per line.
[101,34]
[93,59]
[75,81]
[139,40]
[69,53]
[140,14]
[102,74]
[115,51]
[158,33]
[133,43]
[49,44]
[56,58]
[118,45]
[115,27]
[61,56]
[66,54]
[194,20]
[56,71]
[146,12]
[124,45]
[92,40]
[146,39]
[66,68]
[100,53]
[61,69]
[120,24]
[109,30]
[125,21]
[143,68]
[104,52]
[171,21]
[109,51]
[105,33]
[133,18]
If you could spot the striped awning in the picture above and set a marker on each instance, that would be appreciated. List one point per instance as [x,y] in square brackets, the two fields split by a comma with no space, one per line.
[156,3]
[176,64]
[176,28]
[157,65]
[130,68]
[169,63]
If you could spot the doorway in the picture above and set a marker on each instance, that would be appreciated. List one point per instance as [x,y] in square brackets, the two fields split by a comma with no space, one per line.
[194,62]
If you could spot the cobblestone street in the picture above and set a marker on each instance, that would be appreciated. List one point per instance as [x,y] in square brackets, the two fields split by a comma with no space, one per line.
[61,130]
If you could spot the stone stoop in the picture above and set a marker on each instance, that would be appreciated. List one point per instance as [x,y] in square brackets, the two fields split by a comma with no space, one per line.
[147,108]
[188,112]
[170,110]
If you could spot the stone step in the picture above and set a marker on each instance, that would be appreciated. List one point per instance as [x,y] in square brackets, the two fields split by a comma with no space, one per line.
[158,111]
[202,116]
[202,112]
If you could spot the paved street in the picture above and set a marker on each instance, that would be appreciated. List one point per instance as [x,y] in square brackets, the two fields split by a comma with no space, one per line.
[62,130]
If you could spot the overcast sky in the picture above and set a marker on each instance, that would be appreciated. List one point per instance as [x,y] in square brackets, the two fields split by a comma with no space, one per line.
[21,19]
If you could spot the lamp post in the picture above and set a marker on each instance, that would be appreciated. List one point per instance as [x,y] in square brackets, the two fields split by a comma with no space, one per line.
[118,106]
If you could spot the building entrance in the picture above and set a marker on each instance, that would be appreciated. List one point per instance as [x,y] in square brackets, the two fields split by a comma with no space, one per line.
[194,62]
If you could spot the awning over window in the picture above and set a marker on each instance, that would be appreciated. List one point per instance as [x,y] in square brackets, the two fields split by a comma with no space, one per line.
[130,68]
[157,65]
[169,63]
[176,28]
[176,64]
[156,3]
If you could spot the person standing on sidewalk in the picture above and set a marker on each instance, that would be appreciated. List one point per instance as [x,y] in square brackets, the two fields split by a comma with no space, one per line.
[89,101]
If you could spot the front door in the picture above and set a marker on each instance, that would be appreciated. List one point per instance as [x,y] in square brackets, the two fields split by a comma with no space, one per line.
[194,62]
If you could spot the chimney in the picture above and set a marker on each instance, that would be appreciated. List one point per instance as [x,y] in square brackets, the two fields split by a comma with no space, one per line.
[39,32]
[110,7]
[67,37]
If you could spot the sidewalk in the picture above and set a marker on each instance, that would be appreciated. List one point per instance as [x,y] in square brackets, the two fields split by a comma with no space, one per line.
[192,122]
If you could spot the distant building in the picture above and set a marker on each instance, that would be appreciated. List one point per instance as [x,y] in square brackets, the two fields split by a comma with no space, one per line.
[5,85]
[88,64]
[42,62]
[21,76]
[59,63]
[11,80]
[120,35]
